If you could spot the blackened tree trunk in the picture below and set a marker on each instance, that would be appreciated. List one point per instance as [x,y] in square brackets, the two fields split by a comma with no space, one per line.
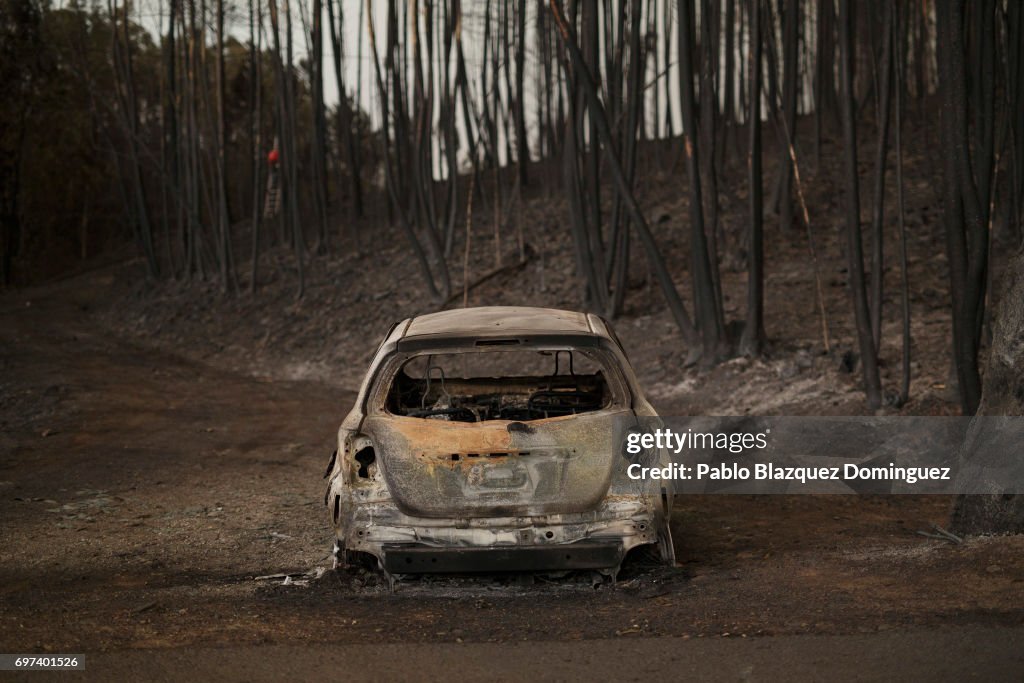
[728,83]
[898,74]
[666,44]
[422,162]
[22,40]
[753,336]
[256,127]
[592,160]
[192,236]
[136,204]
[1014,22]
[567,33]
[389,163]
[318,146]
[10,186]
[449,132]
[708,129]
[223,209]
[575,190]
[289,165]
[169,138]
[578,183]
[620,230]
[824,64]
[790,72]
[519,97]
[854,247]
[707,309]
[347,135]
[965,218]
[1003,395]
[881,157]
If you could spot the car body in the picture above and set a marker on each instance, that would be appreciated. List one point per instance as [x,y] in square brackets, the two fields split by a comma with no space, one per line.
[464,453]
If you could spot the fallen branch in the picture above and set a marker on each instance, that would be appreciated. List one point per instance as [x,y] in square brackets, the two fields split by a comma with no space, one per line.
[295,578]
[941,535]
[949,535]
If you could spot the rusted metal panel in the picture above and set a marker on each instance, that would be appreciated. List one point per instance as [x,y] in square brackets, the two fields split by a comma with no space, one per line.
[455,469]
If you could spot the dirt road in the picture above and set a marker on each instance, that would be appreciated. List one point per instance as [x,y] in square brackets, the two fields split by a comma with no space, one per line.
[142,493]
[943,655]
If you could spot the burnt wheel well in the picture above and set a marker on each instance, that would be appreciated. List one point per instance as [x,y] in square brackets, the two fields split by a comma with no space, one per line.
[365,456]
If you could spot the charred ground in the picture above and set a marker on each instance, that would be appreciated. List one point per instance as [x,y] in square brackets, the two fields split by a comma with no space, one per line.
[147,492]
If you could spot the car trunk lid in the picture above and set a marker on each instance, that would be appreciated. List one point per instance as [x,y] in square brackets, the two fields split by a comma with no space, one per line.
[450,469]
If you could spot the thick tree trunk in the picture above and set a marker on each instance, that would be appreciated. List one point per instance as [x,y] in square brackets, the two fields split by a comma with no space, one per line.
[1003,394]
[966,222]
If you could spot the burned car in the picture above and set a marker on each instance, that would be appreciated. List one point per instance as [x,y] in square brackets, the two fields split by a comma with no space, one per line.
[482,439]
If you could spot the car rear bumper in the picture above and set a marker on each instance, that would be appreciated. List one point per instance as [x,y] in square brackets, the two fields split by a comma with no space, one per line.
[411,558]
[598,539]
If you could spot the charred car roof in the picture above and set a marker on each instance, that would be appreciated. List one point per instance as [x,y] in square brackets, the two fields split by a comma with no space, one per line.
[497,322]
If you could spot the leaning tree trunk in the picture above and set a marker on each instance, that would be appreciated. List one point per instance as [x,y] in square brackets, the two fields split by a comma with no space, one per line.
[1002,394]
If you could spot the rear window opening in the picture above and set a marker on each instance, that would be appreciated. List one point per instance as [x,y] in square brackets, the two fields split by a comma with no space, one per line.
[503,384]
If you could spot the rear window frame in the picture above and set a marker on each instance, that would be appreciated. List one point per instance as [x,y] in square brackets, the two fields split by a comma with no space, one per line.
[618,382]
